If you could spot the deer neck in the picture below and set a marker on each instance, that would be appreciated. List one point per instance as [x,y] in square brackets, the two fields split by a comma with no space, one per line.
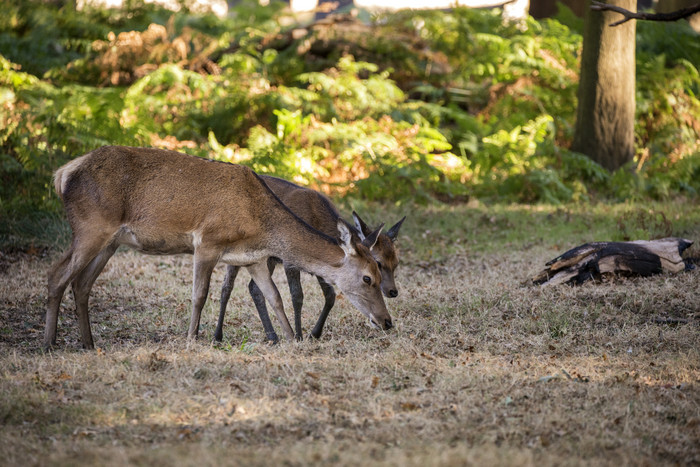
[308,249]
[297,243]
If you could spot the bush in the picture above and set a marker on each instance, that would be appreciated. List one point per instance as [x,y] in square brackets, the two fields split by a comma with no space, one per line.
[424,105]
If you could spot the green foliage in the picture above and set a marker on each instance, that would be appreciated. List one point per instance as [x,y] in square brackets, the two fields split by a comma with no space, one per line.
[523,87]
[659,178]
[668,116]
[676,41]
[341,133]
[45,126]
[340,93]
[162,101]
[643,224]
[418,105]
[41,36]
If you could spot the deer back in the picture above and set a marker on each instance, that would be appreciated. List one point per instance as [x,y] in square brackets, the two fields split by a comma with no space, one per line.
[311,206]
[166,202]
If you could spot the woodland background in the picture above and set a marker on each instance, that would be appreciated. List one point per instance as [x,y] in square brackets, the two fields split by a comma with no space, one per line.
[454,118]
[412,105]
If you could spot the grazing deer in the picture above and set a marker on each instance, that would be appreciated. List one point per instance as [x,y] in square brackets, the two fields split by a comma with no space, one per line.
[318,211]
[164,202]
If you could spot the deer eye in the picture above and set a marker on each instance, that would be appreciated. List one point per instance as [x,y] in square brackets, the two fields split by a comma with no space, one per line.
[367,279]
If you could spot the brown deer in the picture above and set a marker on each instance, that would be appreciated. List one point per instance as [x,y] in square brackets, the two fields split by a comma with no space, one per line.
[318,211]
[164,202]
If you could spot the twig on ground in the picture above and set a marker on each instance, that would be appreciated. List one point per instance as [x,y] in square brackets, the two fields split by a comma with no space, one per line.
[667,320]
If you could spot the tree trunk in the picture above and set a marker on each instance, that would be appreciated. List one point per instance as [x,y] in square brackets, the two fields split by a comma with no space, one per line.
[606,103]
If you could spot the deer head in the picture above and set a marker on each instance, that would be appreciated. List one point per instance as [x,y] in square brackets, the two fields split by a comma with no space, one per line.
[384,252]
[363,289]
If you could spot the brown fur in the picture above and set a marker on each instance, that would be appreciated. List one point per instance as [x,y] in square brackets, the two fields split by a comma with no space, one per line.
[319,212]
[164,202]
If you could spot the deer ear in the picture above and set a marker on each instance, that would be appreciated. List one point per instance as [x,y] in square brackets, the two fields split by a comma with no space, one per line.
[371,239]
[345,238]
[394,231]
[361,226]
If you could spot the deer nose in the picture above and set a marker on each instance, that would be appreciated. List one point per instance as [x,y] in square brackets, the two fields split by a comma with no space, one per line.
[388,324]
[393,293]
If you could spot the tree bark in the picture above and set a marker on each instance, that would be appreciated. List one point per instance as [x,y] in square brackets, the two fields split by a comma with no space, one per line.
[605,116]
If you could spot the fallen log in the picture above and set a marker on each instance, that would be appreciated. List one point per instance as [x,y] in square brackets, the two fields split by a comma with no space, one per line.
[637,258]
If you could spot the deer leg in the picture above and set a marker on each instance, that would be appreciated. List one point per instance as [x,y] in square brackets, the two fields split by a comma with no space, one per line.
[329,294]
[226,288]
[261,276]
[259,300]
[73,262]
[59,276]
[203,266]
[294,281]
[82,285]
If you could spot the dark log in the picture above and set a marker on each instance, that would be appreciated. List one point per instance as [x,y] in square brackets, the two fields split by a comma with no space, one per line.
[638,258]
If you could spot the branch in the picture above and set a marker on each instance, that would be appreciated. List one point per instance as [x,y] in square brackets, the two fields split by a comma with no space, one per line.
[628,15]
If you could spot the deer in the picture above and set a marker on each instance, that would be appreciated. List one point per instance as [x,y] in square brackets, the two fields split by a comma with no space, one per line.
[320,213]
[163,202]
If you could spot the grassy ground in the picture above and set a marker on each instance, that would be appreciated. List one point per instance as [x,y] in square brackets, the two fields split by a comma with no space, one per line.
[481,369]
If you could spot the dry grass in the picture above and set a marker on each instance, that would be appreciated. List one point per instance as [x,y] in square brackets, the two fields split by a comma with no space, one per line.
[481,370]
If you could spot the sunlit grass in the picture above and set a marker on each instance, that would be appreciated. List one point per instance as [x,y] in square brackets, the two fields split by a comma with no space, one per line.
[481,366]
